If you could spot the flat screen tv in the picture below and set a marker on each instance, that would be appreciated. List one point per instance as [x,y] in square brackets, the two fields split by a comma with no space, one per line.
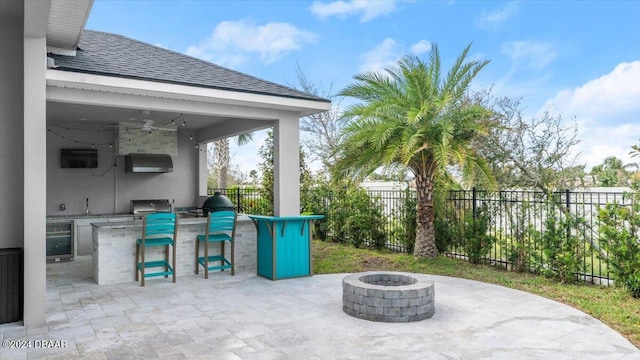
[79,158]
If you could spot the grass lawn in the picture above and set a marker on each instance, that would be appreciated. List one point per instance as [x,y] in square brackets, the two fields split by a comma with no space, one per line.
[613,306]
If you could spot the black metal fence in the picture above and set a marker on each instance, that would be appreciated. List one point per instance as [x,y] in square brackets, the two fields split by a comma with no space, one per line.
[521,221]
[517,222]
[246,200]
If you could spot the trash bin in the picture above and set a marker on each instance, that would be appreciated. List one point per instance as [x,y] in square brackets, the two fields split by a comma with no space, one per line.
[284,245]
[11,285]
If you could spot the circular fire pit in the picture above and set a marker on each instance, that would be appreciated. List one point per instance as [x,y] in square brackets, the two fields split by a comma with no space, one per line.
[388,296]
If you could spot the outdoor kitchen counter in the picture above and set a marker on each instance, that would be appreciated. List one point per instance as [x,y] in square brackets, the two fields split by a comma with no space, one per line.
[114,248]
[86,216]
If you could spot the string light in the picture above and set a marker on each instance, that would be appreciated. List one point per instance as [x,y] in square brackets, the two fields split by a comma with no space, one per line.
[143,134]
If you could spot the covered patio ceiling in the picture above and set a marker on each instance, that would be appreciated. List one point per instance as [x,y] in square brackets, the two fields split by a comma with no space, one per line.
[109,116]
[213,113]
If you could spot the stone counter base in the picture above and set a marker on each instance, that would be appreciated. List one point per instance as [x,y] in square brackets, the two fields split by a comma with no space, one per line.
[388,296]
[114,250]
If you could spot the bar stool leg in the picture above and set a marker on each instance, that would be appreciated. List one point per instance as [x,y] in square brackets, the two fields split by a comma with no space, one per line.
[173,260]
[197,255]
[142,251]
[222,255]
[166,260]
[233,259]
[206,258]
[137,260]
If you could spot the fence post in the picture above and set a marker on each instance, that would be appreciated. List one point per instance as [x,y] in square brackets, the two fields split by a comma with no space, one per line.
[474,198]
[238,199]
[567,203]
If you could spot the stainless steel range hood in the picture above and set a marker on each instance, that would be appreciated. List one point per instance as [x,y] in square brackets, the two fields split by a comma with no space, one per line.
[148,163]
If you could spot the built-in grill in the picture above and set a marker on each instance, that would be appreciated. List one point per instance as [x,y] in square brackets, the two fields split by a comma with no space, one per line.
[141,207]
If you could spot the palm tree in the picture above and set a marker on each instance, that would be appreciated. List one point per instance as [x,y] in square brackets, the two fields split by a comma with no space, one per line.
[612,172]
[222,157]
[411,116]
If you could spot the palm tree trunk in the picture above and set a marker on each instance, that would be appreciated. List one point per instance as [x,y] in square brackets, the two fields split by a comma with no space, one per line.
[221,152]
[425,236]
[223,175]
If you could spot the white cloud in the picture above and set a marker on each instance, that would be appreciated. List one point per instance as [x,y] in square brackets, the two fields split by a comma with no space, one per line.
[236,42]
[607,111]
[531,54]
[600,142]
[493,19]
[384,55]
[613,96]
[366,9]
[420,47]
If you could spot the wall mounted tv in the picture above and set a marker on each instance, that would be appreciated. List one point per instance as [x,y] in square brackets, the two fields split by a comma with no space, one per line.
[79,158]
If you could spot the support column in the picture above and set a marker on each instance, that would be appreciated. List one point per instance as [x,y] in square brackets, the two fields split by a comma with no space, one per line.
[203,169]
[35,180]
[286,166]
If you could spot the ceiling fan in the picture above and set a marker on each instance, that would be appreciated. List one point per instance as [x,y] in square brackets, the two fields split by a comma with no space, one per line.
[146,125]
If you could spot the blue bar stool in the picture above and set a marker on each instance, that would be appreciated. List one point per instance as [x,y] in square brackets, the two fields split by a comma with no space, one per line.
[221,228]
[158,229]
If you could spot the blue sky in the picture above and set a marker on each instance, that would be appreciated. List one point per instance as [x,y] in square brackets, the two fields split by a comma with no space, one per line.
[581,59]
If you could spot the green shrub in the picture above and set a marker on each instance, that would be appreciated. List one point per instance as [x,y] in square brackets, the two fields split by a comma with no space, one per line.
[410,221]
[315,200]
[519,243]
[363,220]
[619,227]
[561,248]
[351,215]
[477,242]
[447,225]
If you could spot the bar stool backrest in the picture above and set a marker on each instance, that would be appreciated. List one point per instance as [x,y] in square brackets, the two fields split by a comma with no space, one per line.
[159,224]
[222,222]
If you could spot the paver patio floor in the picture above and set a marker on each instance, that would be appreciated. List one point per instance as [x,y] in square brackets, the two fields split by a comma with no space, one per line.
[249,317]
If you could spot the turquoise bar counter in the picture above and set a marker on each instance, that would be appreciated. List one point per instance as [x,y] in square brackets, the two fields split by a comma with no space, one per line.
[284,245]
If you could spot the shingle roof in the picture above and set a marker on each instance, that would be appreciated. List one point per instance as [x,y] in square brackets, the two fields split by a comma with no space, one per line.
[116,55]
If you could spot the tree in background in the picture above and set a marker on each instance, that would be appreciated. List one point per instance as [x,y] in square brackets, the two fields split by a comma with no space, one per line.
[528,154]
[325,128]
[612,172]
[411,116]
[220,157]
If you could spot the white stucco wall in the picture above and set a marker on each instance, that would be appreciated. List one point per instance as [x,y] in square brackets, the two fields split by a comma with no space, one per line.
[110,189]
[34,186]
[286,166]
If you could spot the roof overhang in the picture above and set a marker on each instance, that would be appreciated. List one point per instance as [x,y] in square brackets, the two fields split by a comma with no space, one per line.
[65,81]
[67,19]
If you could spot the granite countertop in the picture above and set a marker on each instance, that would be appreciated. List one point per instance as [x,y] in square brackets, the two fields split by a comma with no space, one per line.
[179,210]
[138,223]
[87,216]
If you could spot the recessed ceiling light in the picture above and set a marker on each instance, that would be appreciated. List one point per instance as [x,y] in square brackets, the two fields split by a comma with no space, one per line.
[83,119]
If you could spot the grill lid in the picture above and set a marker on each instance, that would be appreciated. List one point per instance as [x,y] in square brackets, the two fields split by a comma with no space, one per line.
[217,202]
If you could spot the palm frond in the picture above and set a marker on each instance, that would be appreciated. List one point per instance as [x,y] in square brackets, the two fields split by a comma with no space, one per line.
[410,115]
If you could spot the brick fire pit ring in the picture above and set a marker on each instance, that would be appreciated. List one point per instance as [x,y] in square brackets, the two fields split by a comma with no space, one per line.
[388,296]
